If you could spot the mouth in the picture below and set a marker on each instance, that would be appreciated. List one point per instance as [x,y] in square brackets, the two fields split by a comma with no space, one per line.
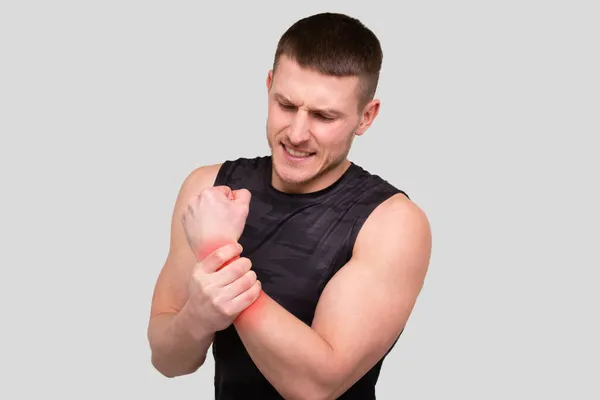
[295,154]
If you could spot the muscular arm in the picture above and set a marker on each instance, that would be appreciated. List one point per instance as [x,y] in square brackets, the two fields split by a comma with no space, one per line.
[361,312]
[176,349]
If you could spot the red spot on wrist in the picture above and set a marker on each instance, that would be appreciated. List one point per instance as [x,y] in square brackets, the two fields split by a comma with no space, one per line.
[207,248]
[254,311]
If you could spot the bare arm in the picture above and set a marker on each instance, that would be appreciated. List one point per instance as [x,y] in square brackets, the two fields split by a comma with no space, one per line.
[359,315]
[177,348]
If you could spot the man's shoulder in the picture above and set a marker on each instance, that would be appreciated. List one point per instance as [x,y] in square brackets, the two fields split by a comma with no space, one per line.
[397,221]
[202,176]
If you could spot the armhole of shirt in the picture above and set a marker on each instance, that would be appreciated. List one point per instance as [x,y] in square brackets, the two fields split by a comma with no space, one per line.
[223,173]
[360,220]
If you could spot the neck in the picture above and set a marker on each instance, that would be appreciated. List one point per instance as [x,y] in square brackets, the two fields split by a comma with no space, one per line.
[321,181]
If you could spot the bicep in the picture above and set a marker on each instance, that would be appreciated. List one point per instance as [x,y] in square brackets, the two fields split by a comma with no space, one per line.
[171,287]
[365,306]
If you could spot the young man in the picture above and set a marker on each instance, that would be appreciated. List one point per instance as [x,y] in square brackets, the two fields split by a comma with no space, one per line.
[332,258]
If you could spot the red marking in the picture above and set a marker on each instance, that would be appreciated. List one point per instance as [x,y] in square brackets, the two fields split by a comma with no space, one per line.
[253,311]
[206,250]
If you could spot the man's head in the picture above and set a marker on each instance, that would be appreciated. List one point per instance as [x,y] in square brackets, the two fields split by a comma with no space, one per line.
[321,95]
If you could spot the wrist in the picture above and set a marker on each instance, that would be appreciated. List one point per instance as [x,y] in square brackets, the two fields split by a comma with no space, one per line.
[209,246]
[254,312]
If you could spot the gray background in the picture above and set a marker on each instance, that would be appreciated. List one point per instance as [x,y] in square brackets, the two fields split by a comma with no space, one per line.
[489,120]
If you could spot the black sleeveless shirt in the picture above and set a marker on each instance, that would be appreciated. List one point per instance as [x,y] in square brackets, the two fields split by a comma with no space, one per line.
[296,242]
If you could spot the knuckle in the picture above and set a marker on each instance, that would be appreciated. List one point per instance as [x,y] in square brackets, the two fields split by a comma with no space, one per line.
[227,310]
[221,255]
[238,269]
[197,277]
[246,264]
[251,295]
[200,266]
[220,306]
[257,289]
[241,266]
[251,276]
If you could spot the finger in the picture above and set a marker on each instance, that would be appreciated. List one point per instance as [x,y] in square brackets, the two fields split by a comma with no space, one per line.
[225,190]
[220,257]
[245,299]
[242,195]
[231,271]
[239,286]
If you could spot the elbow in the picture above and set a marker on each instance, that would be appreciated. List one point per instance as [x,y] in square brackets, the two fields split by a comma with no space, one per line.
[322,387]
[317,392]
[327,386]
[317,395]
[324,393]
[166,373]
[164,370]
[305,388]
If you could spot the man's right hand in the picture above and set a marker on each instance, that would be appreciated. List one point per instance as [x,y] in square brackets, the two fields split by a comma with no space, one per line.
[215,217]
[220,289]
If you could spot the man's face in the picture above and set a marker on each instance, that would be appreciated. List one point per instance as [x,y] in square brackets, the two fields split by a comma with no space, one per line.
[312,120]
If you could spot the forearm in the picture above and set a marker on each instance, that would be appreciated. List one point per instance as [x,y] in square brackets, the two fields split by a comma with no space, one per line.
[176,348]
[294,358]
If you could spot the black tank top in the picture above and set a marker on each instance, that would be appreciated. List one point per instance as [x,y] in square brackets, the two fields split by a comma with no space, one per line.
[296,242]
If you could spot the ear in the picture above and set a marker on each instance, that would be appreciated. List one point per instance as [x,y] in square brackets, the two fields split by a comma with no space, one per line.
[369,113]
[269,80]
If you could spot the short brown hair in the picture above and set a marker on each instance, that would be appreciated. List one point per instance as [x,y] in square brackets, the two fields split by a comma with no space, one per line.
[334,44]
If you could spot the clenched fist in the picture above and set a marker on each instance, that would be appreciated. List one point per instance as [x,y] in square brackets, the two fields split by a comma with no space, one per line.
[215,217]
[218,291]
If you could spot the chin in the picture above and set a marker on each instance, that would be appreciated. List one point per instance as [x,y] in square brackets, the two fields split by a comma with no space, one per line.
[294,172]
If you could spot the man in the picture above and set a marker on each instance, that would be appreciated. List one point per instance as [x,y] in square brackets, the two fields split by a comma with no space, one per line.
[300,268]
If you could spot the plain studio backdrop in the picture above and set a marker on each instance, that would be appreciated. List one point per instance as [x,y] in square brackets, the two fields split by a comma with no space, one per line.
[489,121]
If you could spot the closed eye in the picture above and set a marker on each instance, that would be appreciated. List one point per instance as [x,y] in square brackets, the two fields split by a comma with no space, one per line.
[318,115]
[287,107]
[323,117]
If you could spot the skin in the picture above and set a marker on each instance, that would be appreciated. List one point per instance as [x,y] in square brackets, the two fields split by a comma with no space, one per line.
[363,308]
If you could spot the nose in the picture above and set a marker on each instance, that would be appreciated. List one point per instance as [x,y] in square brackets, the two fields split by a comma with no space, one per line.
[300,128]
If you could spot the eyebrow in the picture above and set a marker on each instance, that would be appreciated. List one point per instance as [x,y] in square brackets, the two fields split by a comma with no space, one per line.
[327,111]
